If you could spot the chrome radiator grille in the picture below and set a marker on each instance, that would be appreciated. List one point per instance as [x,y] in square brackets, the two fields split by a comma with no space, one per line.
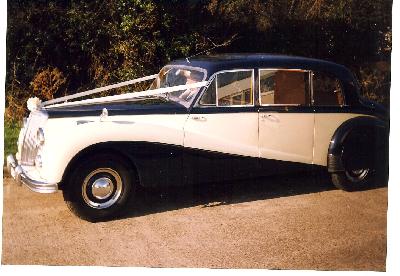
[29,147]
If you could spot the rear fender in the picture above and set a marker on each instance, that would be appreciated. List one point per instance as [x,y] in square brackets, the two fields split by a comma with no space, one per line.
[364,137]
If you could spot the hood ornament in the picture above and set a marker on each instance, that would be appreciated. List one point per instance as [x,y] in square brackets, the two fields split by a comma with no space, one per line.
[103,115]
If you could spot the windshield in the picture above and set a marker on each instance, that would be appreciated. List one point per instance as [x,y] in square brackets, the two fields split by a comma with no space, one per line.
[171,76]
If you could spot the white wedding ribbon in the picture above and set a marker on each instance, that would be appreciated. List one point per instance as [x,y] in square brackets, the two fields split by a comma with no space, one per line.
[98,90]
[123,96]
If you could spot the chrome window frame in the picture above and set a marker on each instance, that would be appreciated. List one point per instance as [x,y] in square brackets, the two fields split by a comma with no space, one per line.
[310,100]
[214,76]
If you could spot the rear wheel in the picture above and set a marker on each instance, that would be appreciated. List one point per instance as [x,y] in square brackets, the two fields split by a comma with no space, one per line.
[99,187]
[365,165]
[351,180]
[357,175]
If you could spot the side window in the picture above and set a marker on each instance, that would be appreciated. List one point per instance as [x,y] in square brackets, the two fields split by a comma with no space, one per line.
[233,88]
[327,90]
[284,87]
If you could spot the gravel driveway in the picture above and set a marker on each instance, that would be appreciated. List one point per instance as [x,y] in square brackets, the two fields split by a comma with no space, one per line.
[279,223]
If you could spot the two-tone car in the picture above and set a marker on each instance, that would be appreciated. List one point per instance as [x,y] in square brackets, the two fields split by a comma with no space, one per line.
[204,119]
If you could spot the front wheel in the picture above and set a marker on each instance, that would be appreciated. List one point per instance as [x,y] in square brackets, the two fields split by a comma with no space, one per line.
[99,187]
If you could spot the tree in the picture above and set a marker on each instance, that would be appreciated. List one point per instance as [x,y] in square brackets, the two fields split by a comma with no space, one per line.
[94,43]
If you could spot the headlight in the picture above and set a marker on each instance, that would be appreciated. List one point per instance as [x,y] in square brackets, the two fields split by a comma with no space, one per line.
[40,136]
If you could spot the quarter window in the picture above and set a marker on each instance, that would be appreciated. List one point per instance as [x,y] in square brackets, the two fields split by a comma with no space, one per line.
[208,97]
[284,87]
[232,88]
[327,90]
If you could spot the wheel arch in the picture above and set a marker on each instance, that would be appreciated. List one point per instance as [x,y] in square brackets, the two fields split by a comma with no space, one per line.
[113,148]
[354,127]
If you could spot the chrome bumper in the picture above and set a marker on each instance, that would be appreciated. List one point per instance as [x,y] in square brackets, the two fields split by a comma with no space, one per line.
[17,172]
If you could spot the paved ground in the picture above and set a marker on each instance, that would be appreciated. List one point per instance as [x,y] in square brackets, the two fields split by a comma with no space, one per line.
[292,223]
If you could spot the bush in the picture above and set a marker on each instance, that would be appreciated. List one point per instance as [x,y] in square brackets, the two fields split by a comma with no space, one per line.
[11,132]
[375,82]
[47,83]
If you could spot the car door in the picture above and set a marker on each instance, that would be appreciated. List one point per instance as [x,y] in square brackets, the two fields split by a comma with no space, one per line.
[286,120]
[221,133]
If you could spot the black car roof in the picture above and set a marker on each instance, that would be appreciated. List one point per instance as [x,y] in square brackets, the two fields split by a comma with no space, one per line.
[215,63]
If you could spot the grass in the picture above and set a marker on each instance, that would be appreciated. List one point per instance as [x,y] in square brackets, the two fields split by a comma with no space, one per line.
[11,132]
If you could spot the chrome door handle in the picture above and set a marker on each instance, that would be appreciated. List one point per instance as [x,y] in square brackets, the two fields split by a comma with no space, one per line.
[270,117]
[199,118]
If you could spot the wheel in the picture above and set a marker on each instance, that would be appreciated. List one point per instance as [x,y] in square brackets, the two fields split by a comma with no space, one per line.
[351,180]
[365,166]
[99,187]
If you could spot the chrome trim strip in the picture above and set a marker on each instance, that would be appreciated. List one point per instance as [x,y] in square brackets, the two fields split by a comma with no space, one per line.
[311,84]
[123,122]
[21,177]
[80,122]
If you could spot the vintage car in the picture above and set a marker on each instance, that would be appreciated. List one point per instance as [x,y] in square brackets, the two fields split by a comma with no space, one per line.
[204,119]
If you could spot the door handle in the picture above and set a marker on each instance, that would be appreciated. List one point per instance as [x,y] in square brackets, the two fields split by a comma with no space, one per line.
[270,117]
[199,118]
[267,116]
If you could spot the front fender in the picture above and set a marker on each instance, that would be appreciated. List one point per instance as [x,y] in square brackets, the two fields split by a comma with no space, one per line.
[66,137]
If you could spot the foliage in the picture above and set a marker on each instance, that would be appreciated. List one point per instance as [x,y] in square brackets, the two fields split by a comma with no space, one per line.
[11,132]
[86,44]
[47,82]
[375,81]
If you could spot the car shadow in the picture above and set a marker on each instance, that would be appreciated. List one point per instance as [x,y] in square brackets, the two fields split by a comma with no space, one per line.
[208,195]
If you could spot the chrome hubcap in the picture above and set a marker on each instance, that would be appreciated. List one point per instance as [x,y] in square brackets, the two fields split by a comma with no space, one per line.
[102,188]
[357,175]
